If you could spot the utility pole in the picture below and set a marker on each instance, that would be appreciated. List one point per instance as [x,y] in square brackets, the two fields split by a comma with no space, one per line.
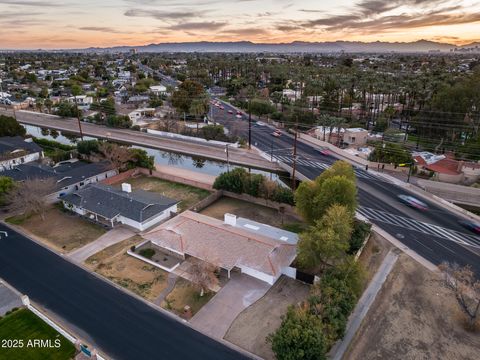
[294,182]
[249,125]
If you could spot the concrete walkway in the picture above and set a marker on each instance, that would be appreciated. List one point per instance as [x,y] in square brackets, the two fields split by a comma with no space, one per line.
[171,280]
[112,237]
[364,304]
[241,291]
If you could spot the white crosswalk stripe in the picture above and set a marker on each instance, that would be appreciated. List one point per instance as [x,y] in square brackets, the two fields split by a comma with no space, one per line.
[425,228]
[287,159]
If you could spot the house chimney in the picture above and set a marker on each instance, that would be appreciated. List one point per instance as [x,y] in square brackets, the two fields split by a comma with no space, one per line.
[126,187]
[230,219]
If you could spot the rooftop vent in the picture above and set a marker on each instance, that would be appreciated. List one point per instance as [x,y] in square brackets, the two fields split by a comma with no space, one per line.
[230,219]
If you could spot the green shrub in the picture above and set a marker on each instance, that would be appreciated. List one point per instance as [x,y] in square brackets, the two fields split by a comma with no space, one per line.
[87,147]
[147,253]
[360,232]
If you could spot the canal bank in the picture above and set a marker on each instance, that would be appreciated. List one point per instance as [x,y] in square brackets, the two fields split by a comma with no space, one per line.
[162,158]
[243,157]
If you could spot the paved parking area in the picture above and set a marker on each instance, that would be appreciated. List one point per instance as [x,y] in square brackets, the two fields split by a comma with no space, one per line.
[8,299]
[241,291]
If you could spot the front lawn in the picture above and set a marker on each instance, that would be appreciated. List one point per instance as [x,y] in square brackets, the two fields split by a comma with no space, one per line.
[23,325]
[187,195]
[185,293]
[133,274]
[61,229]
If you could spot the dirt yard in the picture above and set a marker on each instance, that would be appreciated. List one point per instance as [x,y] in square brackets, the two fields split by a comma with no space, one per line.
[251,328]
[115,264]
[413,317]
[373,255]
[61,229]
[188,195]
[184,293]
[250,211]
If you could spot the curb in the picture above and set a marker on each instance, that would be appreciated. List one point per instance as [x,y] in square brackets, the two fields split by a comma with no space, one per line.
[138,297]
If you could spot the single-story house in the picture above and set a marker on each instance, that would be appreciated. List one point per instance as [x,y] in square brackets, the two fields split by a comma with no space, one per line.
[16,150]
[70,176]
[109,205]
[446,169]
[138,114]
[255,249]
[158,90]
[82,101]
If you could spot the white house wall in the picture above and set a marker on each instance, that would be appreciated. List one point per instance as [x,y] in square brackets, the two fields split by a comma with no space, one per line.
[259,275]
[11,163]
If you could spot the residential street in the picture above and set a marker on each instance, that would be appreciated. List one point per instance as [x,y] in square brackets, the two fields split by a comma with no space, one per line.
[120,325]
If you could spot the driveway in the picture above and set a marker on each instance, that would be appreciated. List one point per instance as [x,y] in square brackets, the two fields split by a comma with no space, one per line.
[112,237]
[241,291]
[8,299]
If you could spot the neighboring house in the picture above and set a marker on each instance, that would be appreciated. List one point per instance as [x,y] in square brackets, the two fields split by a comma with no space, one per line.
[355,137]
[447,169]
[70,176]
[83,101]
[158,90]
[255,249]
[138,99]
[138,209]
[139,114]
[17,150]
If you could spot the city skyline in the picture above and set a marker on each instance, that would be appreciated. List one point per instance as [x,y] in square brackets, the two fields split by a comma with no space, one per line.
[52,24]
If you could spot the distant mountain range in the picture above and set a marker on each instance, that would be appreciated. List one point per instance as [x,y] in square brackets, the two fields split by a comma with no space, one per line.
[293,47]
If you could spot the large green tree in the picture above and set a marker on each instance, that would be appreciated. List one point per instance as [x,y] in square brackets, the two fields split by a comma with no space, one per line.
[299,337]
[335,185]
[326,243]
[189,92]
[10,127]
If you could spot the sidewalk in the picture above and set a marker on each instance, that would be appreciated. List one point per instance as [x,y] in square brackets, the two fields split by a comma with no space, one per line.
[364,304]
[112,237]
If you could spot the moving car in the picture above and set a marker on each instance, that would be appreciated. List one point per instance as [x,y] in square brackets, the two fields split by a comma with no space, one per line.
[238,116]
[413,202]
[470,225]
[230,112]
[324,151]
[277,133]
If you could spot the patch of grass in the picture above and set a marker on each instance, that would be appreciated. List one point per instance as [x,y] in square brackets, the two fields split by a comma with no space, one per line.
[147,253]
[64,231]
[17,219]
[185,293]
[187,195]
[25,325]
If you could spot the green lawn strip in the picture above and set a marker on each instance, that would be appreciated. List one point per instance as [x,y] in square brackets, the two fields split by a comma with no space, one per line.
[25,325]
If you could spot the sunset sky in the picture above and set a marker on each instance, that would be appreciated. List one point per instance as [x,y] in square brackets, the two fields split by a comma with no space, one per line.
[31,24]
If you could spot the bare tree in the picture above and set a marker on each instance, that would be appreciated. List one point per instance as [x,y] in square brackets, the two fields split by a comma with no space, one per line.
[462,281]
[204,275]
[30,196]
[117,155]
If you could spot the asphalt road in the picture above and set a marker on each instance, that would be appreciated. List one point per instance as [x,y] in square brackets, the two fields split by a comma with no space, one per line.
[451,242]
[122,326]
